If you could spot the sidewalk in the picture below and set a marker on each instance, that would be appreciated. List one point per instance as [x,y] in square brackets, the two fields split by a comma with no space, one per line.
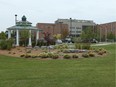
[103,43]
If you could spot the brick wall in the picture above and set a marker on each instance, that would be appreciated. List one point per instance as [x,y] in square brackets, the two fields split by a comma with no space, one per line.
[51,28]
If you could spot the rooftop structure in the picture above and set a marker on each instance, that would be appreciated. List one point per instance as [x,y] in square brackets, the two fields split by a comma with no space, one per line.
[23,25]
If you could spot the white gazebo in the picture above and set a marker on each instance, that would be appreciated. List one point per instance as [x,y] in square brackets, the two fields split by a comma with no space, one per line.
[23,25]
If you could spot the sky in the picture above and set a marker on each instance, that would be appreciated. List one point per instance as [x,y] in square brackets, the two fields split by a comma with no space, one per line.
[48,11]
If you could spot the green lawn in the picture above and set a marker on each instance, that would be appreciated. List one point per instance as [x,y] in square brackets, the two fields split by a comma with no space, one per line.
[86,72]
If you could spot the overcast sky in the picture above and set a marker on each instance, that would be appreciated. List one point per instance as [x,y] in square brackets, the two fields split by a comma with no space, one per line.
[100,11]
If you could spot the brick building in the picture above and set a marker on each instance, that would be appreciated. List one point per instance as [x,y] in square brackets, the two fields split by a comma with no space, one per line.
[57,28]
[107,28]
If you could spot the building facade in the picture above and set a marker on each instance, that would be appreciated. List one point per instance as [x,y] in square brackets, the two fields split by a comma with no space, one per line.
[75,26]
[105,29]
[52,28]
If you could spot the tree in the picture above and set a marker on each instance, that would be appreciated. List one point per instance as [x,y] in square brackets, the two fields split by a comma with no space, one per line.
[64,33]
[88,34]
[2,35]
[57,36]
[24,35]
[111,36]
[47,37]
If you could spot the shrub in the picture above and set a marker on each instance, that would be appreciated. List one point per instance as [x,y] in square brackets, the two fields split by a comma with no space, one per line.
[27,56]
[85,55]
[3,45]
[75,56]
[86,46]
[9,52]
[61,46]
[100,53]
[50,55]
[43,55]
[92,54]
[29,51]
[6,44]
[22,55]
[33,56]
[82,46]
[66,56]
[55,56]
[78,46]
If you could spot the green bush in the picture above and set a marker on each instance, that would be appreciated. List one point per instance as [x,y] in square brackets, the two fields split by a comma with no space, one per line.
[43,55]
[3,45]
[86,46]
[6,44]
[85,55]
[55,56]
[78,46]
[82,46]
[75,56]
[66,56]
[50,55]
[101,51]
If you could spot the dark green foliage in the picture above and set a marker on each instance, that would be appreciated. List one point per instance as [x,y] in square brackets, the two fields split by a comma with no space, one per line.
[87,34]
[2,36]
[111,36]
[6,44]
[24,35]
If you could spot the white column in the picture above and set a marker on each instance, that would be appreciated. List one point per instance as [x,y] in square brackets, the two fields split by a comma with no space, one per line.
[37,36]
[9,34]
[30,44]
[17,37]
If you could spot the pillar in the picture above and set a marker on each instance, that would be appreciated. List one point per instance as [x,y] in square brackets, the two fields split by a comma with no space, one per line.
[37,36]
[30,44]
[9,34]
[17,37]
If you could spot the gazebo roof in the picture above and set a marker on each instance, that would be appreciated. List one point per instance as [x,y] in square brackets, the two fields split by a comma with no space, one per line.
[22,28]
[23,25]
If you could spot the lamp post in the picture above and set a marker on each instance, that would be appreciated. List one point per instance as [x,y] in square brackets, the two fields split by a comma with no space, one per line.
[70,26]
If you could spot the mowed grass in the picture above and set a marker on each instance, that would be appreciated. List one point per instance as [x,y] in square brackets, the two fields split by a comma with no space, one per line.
[86,72]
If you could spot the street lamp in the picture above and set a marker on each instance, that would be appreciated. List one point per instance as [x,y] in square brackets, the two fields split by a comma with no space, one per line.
[70,26]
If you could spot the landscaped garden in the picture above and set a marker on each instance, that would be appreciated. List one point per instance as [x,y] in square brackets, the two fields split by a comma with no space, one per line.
[93,70]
